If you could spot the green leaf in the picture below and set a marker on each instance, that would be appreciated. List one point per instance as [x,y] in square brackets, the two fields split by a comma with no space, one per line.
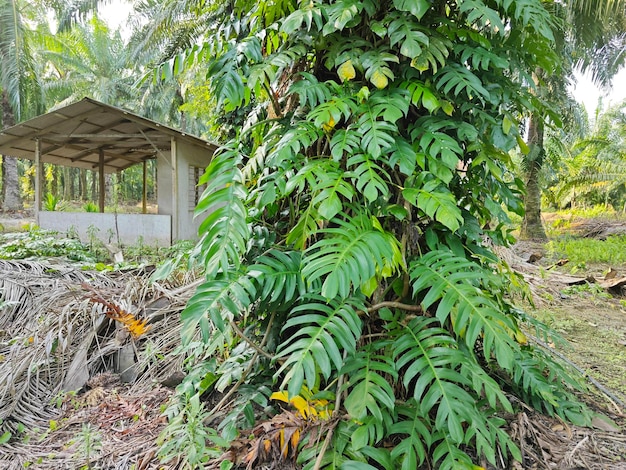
[354,465]
[377,135]
[377,69]
[404,156]
[431,358]
[436,201]
[321,331]
[454,282]
[429,101]
[456,79]
[368,177]
[348,255]
[418,8]
[304,228]
[412,449]
[224,231]
[406,32]
[370,391]
[223,298]
[345,142]
[278,275]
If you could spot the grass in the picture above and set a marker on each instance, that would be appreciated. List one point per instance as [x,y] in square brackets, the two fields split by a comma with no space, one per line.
[580,251]
[588,317]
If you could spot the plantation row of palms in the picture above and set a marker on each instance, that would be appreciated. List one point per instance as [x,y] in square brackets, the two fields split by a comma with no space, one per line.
[368,154]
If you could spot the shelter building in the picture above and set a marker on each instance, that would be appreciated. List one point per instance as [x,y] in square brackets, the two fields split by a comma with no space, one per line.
[103,138]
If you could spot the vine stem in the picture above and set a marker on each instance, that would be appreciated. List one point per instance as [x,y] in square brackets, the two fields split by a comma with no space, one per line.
[252,344]
[392,304]
[320,456]
[244,374]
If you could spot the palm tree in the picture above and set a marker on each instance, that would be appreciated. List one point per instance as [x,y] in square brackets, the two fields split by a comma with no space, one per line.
[21,91]
[593,39]
[20,86]
[87,60]
[595,170]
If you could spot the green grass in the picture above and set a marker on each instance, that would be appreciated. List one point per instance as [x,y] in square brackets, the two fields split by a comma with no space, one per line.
[593,212]
[588,250]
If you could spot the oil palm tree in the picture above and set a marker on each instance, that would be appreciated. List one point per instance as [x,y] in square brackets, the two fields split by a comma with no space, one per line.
[21,91]
[595,170]
[594,39]
[87,60]
[22,94]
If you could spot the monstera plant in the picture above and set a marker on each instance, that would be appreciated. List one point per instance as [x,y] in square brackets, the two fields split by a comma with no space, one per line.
[347,228]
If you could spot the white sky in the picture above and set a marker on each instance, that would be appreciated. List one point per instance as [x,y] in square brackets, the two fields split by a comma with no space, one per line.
[117,12]
[587,93]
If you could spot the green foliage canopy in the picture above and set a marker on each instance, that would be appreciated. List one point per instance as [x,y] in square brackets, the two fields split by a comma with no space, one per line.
[352,207]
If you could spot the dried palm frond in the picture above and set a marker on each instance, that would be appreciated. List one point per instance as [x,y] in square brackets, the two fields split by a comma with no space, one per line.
[54,339]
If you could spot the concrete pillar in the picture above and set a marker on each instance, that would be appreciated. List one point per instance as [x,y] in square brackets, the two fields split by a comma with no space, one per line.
[101,177]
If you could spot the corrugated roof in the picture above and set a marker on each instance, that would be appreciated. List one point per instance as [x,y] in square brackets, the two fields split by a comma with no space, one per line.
[73,136]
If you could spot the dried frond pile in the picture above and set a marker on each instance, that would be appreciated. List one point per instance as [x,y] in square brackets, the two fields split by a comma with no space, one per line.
[61,328]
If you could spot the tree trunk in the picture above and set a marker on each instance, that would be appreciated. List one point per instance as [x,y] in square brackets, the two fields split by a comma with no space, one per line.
[54,184]
[109,189]
[84,193]
[10,180]
[67,183]
[532,227]
[94,186]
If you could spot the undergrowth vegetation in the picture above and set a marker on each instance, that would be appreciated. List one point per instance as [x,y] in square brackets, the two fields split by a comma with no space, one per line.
[580,251]
[36,243]
[344,235]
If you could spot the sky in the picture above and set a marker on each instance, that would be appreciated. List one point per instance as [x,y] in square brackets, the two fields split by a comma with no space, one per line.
[587,93]
[117,12]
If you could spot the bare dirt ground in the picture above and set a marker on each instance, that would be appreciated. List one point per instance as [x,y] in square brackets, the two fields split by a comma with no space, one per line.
[15,221]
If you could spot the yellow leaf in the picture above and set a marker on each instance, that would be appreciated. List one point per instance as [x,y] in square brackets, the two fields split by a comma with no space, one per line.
[379,79]
[520,337]
[295,439]
[420,63]
[346,71]
[330,125]
[368,287]
[282,396]
[302,406]
[446,107]
[284,449]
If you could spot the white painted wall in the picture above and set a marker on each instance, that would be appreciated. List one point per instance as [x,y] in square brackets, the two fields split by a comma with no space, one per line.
[124,229]
[188,156]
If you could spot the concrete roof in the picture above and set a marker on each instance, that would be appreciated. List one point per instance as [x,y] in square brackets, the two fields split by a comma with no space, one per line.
[73,136]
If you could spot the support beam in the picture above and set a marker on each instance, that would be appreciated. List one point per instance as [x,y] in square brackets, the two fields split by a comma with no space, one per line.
[174,196]
[38,175]
[144,195]
[101,177]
